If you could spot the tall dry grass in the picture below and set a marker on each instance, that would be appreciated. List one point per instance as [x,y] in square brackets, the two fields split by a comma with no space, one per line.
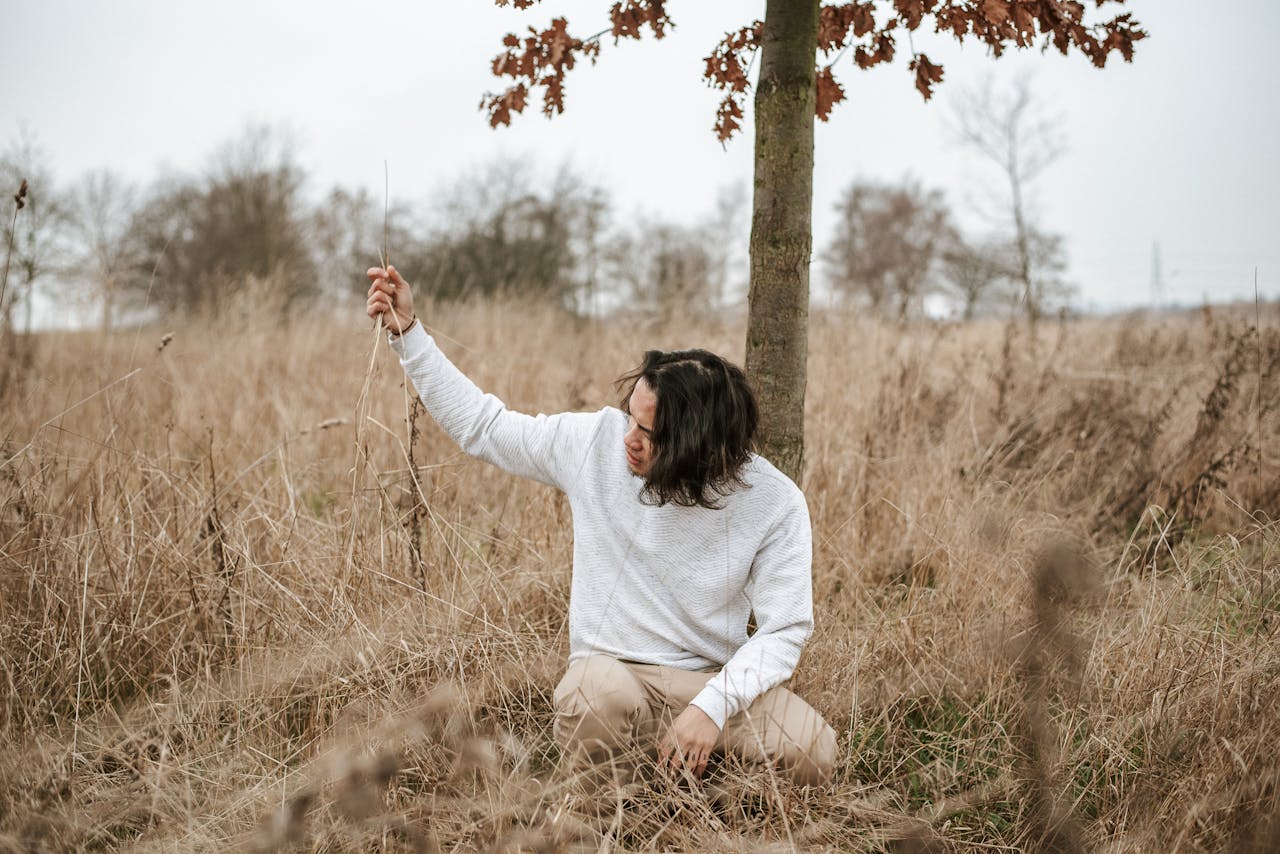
[1046,585]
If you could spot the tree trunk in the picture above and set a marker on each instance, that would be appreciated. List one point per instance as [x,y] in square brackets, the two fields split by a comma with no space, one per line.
[108,303]
[1031,301]
[782,229]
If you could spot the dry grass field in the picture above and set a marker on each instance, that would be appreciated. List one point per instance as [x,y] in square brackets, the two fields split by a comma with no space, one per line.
[245,603]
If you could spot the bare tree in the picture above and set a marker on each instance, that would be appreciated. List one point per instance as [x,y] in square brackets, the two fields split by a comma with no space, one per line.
[204,238]
[1012,131]
[101,210]
[1046,258]
[589,239]
[502,228]
[39,235]
[346,232]
[976,273]
[666,269]
[726,234]
[887,244]
[344,228]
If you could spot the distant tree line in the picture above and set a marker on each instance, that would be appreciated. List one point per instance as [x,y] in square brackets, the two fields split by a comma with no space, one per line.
[246,225]
[247,233]
[896,244]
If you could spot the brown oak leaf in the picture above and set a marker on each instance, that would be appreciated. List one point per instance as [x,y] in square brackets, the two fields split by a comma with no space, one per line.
[927,74]
[830,92]
[996,11]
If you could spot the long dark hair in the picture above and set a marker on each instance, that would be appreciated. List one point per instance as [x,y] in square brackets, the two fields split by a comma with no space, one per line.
[704,429]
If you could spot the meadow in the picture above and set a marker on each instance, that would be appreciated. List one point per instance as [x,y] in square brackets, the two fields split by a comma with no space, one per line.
[251,597]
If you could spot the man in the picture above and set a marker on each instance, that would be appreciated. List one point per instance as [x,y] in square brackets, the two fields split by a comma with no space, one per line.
[680,533]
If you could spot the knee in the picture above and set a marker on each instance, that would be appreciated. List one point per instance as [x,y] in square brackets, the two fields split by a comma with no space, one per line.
[811,761]
[793,737]
[596,706]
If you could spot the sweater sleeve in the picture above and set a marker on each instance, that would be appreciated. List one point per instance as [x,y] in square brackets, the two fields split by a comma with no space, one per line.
[780,588]
[551,449]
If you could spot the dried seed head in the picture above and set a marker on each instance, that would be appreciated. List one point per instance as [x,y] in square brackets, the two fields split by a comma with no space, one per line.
[441,715]
[357,798]
[477,754]
[1062,573]
[444,699]
[919,839]
[383,768]
[22,195]
[416,840]
[286,827]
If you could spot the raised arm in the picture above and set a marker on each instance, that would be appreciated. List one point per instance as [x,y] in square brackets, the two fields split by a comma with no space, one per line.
[550,449]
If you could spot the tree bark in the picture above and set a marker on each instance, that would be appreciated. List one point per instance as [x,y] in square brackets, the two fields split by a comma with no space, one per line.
[782,229]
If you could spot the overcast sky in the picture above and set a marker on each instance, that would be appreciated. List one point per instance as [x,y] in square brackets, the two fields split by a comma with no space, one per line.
[1178,147]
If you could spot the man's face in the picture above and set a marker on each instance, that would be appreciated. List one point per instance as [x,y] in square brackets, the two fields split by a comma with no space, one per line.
[638,440]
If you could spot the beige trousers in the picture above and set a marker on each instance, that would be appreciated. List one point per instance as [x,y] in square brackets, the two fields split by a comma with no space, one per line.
[606,709]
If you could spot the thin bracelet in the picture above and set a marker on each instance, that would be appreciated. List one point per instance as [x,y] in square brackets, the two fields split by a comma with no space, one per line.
[406,329]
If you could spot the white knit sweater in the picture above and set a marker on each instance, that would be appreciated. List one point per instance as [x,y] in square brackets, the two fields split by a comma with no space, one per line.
[657,585]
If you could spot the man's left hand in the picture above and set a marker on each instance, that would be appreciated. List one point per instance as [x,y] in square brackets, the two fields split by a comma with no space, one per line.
[689,741]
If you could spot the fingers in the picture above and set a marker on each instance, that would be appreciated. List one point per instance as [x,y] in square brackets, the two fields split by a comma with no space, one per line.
[671,755]
[695,763]
[380,279]
[673,758]
[389,272]
[387,288]
[381,291]
[377,304]
[665,750]
[388,280]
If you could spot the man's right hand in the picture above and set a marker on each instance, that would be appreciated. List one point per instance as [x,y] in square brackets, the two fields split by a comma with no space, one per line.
[390,299]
